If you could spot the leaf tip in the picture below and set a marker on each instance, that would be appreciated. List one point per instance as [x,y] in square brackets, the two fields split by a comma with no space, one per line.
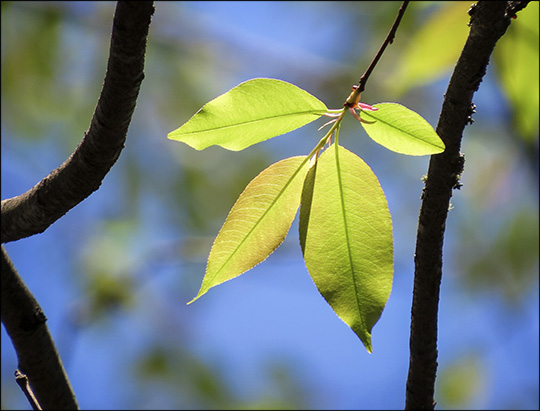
[193,300]
[199,294]
[442,148]
[369,348]
[366,340]
[172,135]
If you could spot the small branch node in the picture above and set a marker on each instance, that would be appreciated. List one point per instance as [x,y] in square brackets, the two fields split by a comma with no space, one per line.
[22,380]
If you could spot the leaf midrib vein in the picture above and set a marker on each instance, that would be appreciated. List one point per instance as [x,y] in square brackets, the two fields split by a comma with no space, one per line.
[347,239]
[249,122]
[225,263]
[401,130]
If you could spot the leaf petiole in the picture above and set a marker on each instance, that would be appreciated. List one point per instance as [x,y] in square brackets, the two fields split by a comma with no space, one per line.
[336,123]
[335,112]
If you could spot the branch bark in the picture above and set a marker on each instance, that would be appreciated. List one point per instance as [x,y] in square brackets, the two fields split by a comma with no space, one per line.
[78,177]
[37,355]
[489,21]
[82,173]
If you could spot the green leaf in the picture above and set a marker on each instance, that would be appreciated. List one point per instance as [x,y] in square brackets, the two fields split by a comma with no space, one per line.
[251,112]
[402,130]
[257,223]
[346,237]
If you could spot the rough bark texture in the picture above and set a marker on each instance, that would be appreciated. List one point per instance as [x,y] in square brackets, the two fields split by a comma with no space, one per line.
[489,21]
[82,173]
[78,177]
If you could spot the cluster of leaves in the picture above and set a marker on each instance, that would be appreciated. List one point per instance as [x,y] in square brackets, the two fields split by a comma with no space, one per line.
[345,225]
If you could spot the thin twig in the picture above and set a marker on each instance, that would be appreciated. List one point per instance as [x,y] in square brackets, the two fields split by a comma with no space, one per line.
[389,39]
[22,380]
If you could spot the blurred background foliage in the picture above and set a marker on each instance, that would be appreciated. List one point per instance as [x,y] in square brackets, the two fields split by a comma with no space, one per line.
[114,274]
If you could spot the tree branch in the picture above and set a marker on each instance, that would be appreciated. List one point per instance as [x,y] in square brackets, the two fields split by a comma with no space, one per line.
[389,40]
[82,173]
[37,355]
[22,380]
[489,21]
[357,90]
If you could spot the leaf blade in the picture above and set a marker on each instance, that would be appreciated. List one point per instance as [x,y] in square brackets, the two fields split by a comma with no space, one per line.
[402,130]
[346,237]
[257,223]
[249,113]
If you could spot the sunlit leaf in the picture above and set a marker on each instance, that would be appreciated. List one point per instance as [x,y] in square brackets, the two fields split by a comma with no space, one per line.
[346,237]
[251,112]
[257,223]
[402,130]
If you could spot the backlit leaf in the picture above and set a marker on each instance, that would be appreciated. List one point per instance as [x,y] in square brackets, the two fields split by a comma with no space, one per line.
[346,237]
[402,130]
[257,223]
[251,112]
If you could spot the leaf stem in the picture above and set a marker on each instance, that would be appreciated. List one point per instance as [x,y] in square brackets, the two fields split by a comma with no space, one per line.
[328,135]
[336,138]
[354,96]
